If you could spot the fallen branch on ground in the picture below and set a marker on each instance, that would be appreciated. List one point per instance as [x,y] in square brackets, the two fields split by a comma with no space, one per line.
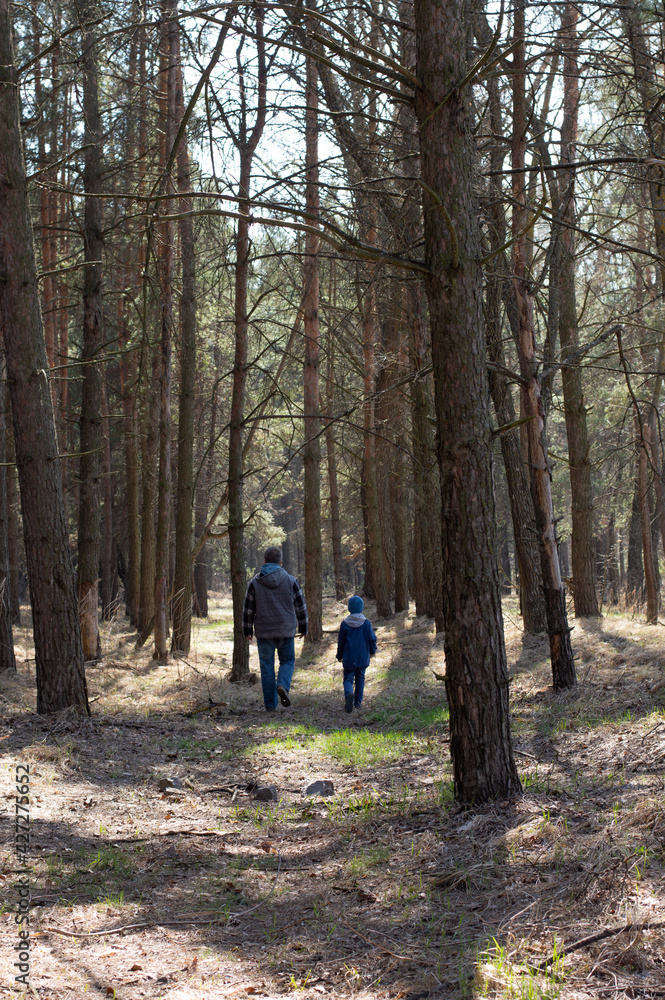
[599,936]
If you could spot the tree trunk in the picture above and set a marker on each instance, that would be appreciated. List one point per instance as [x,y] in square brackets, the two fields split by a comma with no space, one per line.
[46,200]
[384,418]
[417,576]
[127,359]
[374,550]
[132,508]
[635,569]
[58,652]
[579,463]
[645,522]
[561,653]
[476,671]
[335,520]
[146,610]
[426,562]
[312,447]
[427,527]
[89,523]
[109,573]
[182,585]
[7,658]
[240,663]
[521,505]
[612,570]
[246,145]
[201,518]
[398,495]
[162,535]
[63,343]
[13,530]
[391,421]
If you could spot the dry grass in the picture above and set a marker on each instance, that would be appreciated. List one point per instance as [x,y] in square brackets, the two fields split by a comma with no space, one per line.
[384,890]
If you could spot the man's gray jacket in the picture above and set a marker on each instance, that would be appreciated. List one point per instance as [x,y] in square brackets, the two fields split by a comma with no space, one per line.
[274,606]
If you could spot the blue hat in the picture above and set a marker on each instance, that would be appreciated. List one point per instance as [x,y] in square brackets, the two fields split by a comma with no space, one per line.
[356,605]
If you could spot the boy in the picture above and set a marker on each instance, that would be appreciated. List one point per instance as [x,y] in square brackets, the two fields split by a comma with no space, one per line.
[355,645]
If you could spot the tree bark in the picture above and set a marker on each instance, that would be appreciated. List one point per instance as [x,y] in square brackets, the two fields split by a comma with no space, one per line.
[312,447]
[58,651]
[89,519]
[476,671]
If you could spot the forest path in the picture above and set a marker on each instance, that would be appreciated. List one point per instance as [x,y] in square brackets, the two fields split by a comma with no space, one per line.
[385,889]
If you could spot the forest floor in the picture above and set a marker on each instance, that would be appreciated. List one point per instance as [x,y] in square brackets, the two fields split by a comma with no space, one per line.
[385,889]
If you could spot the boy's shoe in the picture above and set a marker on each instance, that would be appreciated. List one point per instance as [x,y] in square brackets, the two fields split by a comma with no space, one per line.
[283,696]
[349,703]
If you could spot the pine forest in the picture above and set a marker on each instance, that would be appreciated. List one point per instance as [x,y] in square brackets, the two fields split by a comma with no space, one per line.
[333,336]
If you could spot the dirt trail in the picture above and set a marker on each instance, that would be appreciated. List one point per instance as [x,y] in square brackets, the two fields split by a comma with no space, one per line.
[385,889]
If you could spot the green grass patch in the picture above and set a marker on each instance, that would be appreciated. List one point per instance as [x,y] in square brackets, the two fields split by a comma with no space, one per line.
[362,748]
[212,623]
[374,857]
[193,749]
[410,718]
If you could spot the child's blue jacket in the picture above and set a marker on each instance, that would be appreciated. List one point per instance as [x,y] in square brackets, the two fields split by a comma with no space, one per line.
[356,642]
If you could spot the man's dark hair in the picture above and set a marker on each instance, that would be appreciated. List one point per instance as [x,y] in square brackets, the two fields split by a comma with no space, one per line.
[273,554]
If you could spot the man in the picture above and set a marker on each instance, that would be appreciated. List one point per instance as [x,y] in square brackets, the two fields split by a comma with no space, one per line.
[274,607]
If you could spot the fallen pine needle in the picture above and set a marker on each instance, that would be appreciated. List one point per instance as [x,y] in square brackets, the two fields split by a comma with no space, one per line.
[177,921]
[375,944]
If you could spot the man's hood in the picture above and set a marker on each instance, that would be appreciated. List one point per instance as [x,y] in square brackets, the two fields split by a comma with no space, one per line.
[271,576]
[355,620]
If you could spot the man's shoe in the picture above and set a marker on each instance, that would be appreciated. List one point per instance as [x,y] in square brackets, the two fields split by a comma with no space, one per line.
[349,703]
[283,696]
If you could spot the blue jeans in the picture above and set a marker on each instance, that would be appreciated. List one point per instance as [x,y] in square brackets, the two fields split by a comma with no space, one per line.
[286,652]
[356,674]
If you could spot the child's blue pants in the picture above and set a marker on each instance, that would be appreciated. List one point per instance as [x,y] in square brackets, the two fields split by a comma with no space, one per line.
[356,674]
